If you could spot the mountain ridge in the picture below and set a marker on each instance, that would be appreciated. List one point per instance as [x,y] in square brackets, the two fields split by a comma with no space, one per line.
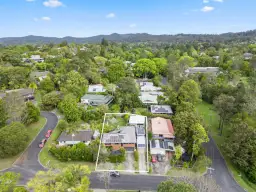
[132,37]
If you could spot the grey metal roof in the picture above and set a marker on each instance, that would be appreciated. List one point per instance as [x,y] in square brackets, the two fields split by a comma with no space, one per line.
[202,70]
[98,99]
[83,135]
[122,135]
[140,130]
[36,74]
[161,109]
[22,92]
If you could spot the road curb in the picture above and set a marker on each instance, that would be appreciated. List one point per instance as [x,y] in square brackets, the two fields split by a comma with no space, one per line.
[27,146]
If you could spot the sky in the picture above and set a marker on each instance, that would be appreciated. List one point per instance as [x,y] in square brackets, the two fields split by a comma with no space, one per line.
[84,18]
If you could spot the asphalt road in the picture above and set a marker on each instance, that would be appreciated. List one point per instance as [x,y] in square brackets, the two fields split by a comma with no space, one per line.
[27,164]
[220,173]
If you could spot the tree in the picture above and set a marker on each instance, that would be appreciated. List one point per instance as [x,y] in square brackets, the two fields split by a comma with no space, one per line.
[178,153]
[145,68]
[71,178]
[47,85]
[116,70]
[225,106]
[170,186]
[70,109]
[189,92]
[8,181]
[33,86]
[13,139]
[161,65]
[3,114]
[50,100]
[14,105]
[199,136]
[31,114]
[74,83]
[62,125]
[127,85]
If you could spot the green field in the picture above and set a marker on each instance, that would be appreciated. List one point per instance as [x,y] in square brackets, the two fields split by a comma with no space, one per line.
[211,120]
[33,131]
[51,162]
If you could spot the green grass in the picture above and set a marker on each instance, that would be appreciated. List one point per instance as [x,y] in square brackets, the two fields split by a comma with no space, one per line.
[33,131]
[211,120]
[51,162]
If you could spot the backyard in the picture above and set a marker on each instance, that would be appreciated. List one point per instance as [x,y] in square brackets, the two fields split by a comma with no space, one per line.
[211,120]
[34,129]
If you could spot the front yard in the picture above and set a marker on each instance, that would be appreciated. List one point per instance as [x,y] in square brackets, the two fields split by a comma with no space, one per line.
[49,161]
[211,119]
[33,131]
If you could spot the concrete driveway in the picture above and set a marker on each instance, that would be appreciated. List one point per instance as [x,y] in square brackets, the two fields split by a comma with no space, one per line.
[142,160]
[27,164]
[129,161]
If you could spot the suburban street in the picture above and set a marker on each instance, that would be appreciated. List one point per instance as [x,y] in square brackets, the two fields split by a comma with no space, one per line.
[220,172]
[28,165]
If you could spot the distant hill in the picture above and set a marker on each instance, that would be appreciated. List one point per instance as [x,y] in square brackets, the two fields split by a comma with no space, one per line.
[138,37]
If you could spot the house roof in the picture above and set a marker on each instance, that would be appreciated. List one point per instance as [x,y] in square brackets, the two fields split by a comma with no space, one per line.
[22,92]
[141,140]
[202,70]
[98,88]
[152,93]
[83,136]
[161,109]
[98,99]
[148,99]
[137,119]
[161,126]
[122,135]
[36,74]
[140,130]
[248,55]
[35,57]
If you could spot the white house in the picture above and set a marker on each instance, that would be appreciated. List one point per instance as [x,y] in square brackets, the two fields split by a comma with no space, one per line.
[37,58]
[98,88]
[84,136]
[148,99]
[137,120]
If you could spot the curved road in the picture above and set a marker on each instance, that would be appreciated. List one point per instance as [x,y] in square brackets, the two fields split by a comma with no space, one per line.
[27,164]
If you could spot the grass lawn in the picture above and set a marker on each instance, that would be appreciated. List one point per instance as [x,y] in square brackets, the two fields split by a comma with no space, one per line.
[211,120]
[50,161]
[33,131]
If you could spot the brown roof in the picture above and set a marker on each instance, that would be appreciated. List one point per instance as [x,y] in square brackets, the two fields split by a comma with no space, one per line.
[161,126]
[83,135]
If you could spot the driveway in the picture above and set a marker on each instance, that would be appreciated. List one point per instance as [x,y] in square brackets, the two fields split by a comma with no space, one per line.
[142,160]
[129,161]
[27,164]
[220,172]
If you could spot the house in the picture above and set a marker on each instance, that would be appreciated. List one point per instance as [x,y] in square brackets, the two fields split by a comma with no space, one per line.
[153,93]
[161,109]
[26,93]
[140,135]
[162,128]
[208,70]
[39,75]
[123,137]
[84,136]
[148,99]
[148,86]
[140,130]
[37,58]
[98,88]
[248,56]
[137,120]
[161,146]
[95,100]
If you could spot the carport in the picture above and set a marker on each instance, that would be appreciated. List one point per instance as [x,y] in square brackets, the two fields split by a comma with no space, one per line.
[141,142]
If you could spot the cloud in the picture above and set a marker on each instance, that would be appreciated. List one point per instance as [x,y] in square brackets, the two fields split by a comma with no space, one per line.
[205,1]
[221,1]
[30,0]
[207,9]
[110,15]
[46,18]
[133,25]
[53,3]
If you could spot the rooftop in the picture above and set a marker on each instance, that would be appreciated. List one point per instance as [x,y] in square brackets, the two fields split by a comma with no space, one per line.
[122,135]
[22,92]
[141,141]
[140,130]
[161,126]
[83,136]
[97,99]
[148,99]
[202,70]
[161,109]
[137,119]
[98,88]
[37,74]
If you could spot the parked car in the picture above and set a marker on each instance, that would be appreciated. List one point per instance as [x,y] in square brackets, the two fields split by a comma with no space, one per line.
[160,158]
[153,159]
[48,134]
[42,143]
[114,174]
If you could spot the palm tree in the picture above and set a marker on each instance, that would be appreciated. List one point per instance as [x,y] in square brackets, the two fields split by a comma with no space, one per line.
[33,86]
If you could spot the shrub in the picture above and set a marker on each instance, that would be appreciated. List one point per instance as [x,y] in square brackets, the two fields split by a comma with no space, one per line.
[150,135]
[31,114]
[136,155]
[113,158]
[50,101]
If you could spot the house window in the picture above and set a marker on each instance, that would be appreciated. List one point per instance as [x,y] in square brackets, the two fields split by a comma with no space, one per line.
[160,135]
